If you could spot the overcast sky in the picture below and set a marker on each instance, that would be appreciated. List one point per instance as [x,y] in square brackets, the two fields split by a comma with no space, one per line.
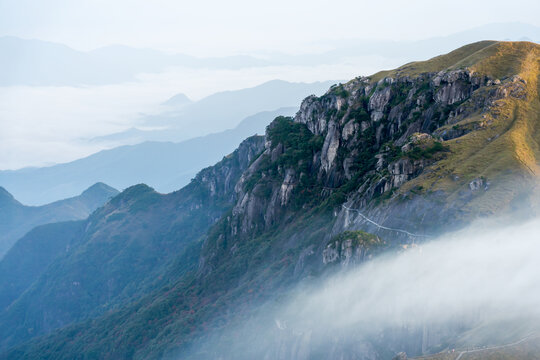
[222,27]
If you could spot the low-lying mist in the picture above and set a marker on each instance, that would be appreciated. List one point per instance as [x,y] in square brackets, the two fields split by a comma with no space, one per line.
[475,287]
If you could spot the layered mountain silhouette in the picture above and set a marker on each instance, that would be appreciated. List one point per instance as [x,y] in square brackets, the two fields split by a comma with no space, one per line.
[17,219]
[166,166]
[166,159]
[74,270]
[221,111]
[43,63]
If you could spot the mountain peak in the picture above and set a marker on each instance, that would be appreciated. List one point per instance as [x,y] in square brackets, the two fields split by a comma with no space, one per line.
[178,100]
[492,58]
[6,199]
[100,189]
[5,196]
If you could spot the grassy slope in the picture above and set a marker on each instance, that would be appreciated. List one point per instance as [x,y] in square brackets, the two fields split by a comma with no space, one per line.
[459,58]
[504,150]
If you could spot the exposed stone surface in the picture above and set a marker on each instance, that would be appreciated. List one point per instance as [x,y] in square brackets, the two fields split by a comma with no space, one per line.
[356,121]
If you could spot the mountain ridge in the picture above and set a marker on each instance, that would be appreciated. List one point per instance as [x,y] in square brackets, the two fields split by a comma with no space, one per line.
[166,166]
[139,232]
[17,219]
[421,151]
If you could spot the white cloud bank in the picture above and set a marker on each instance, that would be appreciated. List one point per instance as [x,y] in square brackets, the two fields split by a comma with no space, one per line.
[476,287]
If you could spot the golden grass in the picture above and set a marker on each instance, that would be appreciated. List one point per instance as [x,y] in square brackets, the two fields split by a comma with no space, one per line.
[506,152]
[439,63]
[496,59]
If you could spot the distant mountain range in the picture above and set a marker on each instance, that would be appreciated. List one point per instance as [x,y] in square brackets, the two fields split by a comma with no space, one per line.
[411,50]
[166,166]
[17,219]
[42,63]
[35,62]
[182,119]
[32,254]
[63,263]
[160,158]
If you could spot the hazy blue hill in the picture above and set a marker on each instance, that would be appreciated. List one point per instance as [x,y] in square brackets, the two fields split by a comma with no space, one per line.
[178,100]
[222,110]
[122,250]
[165,166]
[17,219]
[35,62]
[42,63]
[31,255]
[181,119]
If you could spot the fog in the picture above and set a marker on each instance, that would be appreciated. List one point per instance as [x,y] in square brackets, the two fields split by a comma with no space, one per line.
[471,288]
[46,125]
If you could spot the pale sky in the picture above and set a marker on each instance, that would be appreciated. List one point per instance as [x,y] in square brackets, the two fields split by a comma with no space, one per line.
[210,27]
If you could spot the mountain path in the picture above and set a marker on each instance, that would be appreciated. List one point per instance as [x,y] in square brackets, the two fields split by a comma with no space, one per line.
[381,226]
[496,347]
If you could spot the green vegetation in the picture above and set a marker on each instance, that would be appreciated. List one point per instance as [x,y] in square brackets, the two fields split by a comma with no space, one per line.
[360,114]
[339,90]
[358,239]
[139,197]
[298,141]
[400,91]
[299,146]
[419,152]
[141,241]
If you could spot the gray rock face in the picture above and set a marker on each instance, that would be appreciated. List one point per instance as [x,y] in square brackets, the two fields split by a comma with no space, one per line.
[330,147]
[453,86]
[476,184]
[377,103]
[346,253]
[403,170]
[360,123]
[221,181]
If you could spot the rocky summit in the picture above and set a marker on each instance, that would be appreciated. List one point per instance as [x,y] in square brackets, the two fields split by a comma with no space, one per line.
[375,165]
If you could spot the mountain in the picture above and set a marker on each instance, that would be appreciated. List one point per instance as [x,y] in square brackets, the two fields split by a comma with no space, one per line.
[374,166]
[121,251]
[222,110]
[17,219]
[178,100]
[42,63]
[32,254]
[166,166]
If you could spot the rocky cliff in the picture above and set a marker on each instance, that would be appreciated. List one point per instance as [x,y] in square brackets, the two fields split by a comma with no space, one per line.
[406,155]
[402,154]
[408,149]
